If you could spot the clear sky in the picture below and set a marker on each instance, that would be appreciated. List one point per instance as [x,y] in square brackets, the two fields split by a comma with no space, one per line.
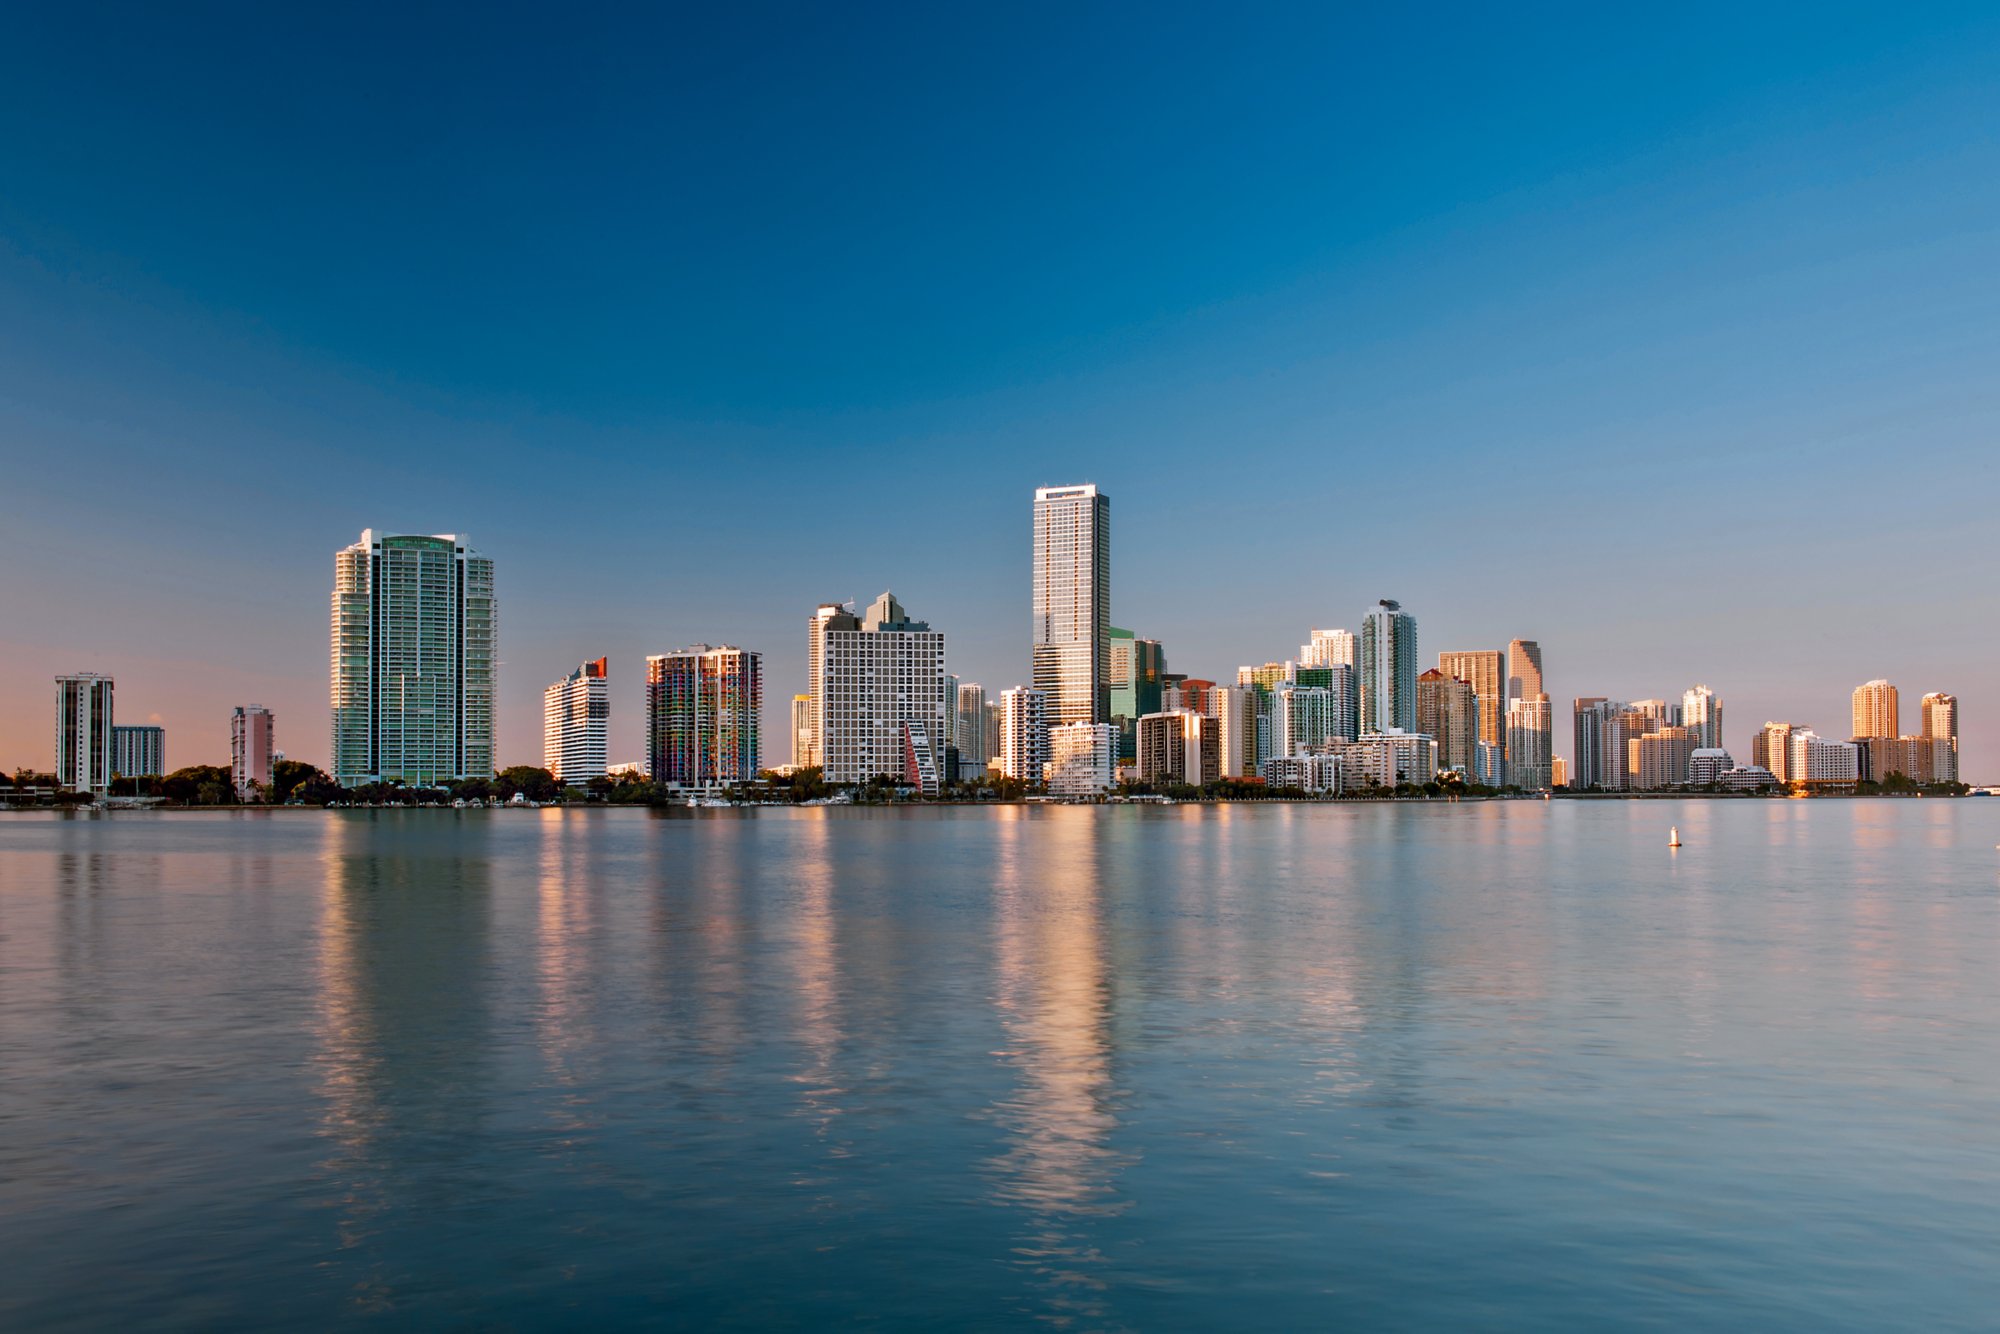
[1665,336]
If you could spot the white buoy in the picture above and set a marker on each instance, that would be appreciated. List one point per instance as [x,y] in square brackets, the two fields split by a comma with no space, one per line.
[1674,837]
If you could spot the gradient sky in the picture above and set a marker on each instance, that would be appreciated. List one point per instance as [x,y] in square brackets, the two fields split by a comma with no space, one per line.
[1665,337]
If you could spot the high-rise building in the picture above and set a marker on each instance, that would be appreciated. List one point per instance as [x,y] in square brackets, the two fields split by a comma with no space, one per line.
[1485,670]
[1083,759]
[1530,743]
[1339,678]
[1701,714]
[1072,603]
[1235,712]
[1181,748]
[1388,669]
[1771,748]
[1815,761]
[1024,733]
[250,749]
[1329,648]
[878,672]
[1586,769]
[1137,675]
[1707,766]
[1524,669]
[1303,718]
[415,653]
[138,752]
[83,732]
[576,723]
[826,618]
[970,730]
[802,731]
[1659,759]
[1876,711]
[1940,723]
[1448,713]
[703,709]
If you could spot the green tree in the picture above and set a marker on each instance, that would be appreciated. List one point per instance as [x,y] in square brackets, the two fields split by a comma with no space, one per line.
[535,784]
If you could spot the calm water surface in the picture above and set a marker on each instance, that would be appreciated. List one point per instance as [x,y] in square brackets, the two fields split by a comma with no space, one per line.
[1511,1065]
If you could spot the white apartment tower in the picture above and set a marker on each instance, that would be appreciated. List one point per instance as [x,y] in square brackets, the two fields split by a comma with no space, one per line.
[1330,648]
[1701,714]
[1388,669]
[1024,733]
[875,673]
[415,630]
[83,732]
[576,722]
[1083,759]
[1072,603]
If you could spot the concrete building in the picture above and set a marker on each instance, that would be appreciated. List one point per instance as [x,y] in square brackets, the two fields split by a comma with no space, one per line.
[1707,765]
[1748,778]
[1318,774]
[1179,748]
[1485,670]
[1340,679]
[920,760]
[1072,603]
[1303,718]
[1817,763]
[877,672]
[704,707]
[1524,669]
[1530,742]
[139,752]
[1330,648]
[1138,674]
[1701,714]
[1558,771]
[1083,759]
[1385,759]
[1388,672]
[1587,742]
[415,639]
[970,731]
[827,618]
[1659,759]
[1939,722]
[1771,748]
[251,734]
[576,724]
[802,732]
[1877,711]
[83,732]
[1448,712]
[1024,734]
[1235,711]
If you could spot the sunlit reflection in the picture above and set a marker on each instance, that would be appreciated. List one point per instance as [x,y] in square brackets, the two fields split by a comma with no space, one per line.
[815,962]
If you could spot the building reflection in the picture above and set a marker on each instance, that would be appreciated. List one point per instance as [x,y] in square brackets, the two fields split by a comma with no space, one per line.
[815,962]
[1052,993]
[402,1019]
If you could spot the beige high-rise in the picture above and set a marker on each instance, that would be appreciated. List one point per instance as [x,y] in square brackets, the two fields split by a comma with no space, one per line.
[1876,711]
[1524,669]
[1485,670]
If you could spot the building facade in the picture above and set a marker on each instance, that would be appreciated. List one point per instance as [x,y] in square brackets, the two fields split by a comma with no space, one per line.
[1083,759]
[139,752]
[1385,760]
[1816,762]
[1448,712]
[1877,711]
[1303,718]
[1388,669]
[83,732]
[251,748]
[801,731]
[974,749]
[1659,759]
[1235,711]
[1530,761]
[1330,648]
[1485,670]
[877,672]
[1024,734]
[703,712]
[1071,655]
[1701,713]
[576,724]
[415,643]
[1939,722]
[1179,748]
[1707,766]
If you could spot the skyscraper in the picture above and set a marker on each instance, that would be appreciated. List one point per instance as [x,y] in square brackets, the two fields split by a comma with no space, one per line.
[83,732]
[827,617]
[801,731]
[1072,603]
[1448,713]
[1235,711]
[1138,671]
[971,728]
[877,673]
[138,752]
[1024,733]
[1530,742]
[1876,710]
[1771,748]
[576,723]
[1329,648]
[1303,718]
[250,747]
[1701,714]
[1485,671]
[415,630]
[1940,724]
[1524,669]
[1083,759]
[703,710]
[1388,669]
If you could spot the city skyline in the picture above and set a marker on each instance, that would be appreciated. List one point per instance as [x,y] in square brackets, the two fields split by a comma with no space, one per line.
[1761,261]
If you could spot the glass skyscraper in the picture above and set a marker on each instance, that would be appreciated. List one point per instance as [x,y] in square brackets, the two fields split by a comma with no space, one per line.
[1388,669]
[415,626]
[1072,632]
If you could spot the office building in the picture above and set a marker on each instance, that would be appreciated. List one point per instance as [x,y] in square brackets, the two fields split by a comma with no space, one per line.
[1235,712]
[576,724]
[415,652]
[139,752]
[1701,714]
[1072,603]
[1024,734]
[802,732]
[1448,713]
[1179,749]
[1530,742]
[1815,762]
[1330,648]
[1083,759]
[1388,669]
[1485,670]
[251,758]
[1524,669]
[704,707]
[878,672]
[83,732]
[1876,710]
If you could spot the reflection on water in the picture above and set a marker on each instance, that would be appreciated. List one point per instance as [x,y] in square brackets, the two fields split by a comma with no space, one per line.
[1482,1066]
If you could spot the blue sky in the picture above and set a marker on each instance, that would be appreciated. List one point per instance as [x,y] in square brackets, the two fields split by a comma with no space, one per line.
[1664,338]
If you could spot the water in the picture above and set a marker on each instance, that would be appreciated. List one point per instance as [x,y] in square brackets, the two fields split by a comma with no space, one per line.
[1407,1066]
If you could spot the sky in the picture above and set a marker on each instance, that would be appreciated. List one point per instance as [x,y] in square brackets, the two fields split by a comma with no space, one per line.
[1665,337]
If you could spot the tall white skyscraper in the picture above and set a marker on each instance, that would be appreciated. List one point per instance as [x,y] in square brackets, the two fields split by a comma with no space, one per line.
[576,723]
[1388,669]
[1530,742]
[1024,733]
[251,737]
[83,732]
[1330,648]
[1303,718]
[877,673]
[1072,606]
[1701,714]
[415,639]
